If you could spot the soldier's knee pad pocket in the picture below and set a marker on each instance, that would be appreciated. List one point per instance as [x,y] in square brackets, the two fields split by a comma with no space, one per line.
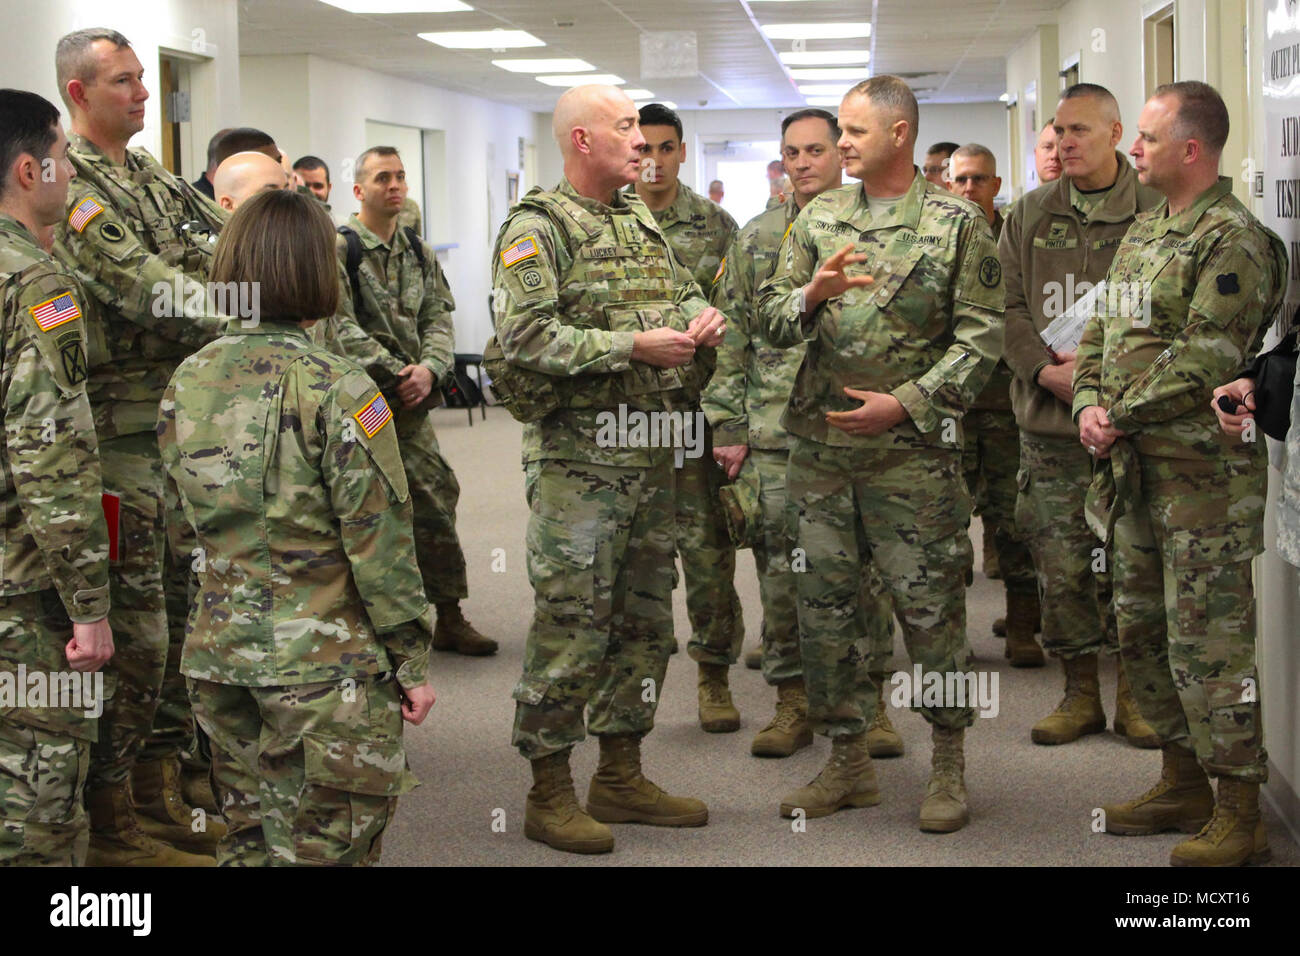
[1201,560]
[561,562]
[349,789]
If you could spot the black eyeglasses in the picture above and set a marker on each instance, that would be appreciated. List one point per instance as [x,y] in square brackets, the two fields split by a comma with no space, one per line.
[978,180]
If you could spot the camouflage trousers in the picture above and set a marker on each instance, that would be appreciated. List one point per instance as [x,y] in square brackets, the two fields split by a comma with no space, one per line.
[708,561]
[905,511]
[989,461]
[1074,573]
[1185,603]
[45,750]
[132,469]
[777,583]
[305,774]
[600,560]
[434,493]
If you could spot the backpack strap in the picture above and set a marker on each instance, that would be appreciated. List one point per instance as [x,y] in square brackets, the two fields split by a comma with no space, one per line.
[416,242]
[353,263]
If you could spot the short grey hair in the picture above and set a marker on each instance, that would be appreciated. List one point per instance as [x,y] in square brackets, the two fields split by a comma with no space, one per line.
[976,151]
[73,60]
[894,96]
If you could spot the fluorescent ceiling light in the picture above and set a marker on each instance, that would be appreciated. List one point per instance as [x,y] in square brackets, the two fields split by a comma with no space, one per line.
[581,79]
[824,57]
[839,73]
[482,39]
[825,100]
[668,103]
[825,89]
[640,95]
[817,31]
[558,65]
[399,6]
[1004,97]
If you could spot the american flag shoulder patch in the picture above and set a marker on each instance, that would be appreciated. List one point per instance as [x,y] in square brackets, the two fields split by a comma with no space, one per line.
[525,248]
[54,312]
[374,416]
[86,210]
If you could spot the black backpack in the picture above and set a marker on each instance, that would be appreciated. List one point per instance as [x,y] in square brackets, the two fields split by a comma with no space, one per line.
[353,263]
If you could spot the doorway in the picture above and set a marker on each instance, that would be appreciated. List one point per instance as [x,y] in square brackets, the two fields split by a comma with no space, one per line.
[742,167]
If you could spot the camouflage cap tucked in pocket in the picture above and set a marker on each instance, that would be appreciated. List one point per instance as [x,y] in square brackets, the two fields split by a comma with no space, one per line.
[740,507]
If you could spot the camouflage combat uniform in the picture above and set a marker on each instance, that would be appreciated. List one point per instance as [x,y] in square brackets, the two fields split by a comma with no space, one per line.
[1185,499]
[311,610]
[129,228]
[53,549]
[699,232]
[404,318]
[990,459]
[928,331]
[744,401]
[575,278]
[1056,238]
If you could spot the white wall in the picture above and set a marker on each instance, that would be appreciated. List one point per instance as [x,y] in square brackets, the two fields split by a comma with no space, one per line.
[314,105]
[205,32]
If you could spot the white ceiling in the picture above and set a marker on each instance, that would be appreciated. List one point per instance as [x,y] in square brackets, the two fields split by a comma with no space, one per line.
[951,51]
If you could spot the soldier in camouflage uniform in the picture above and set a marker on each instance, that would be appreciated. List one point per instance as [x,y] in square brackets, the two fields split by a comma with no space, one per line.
[896,351]
[132,230]
[744,401]
[698,231]
[1185,501]
[309,643]
[595,318]
[400,332]
[1058,242]
[53,541]
[992,451]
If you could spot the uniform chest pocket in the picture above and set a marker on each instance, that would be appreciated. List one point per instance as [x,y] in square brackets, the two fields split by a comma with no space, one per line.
[896,278]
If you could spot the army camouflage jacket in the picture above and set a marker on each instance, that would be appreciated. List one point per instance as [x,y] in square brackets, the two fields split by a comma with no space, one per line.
[52,531]
[574,279]
[699,231]
[751,384]
[996,396]
[404,316]
[928,330]
[1049,249]
[285,460]
[1213,278]
[134,236]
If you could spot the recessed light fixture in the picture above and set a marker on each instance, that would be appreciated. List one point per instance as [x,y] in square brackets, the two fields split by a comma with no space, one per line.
[817,31]
[581,79]
[544,66]
[825,89]
[399,6]
[640,95]
[835,73]
[482,39]
[824,57]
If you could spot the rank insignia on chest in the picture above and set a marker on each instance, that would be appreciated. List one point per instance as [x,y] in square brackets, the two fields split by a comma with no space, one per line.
[54,312]
[374,416]
[1058,230]
[625,228]
[525,248]
[86,210]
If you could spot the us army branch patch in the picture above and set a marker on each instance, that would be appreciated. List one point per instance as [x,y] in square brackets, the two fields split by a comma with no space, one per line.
[990,272]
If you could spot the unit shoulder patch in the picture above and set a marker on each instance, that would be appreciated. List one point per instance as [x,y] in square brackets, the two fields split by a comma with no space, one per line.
[990,272]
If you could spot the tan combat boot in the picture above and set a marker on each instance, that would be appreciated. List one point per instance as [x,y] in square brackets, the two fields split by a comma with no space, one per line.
[163,812]
[552,814]
[454,633]
[196,790]
[944,808]
[1128,719]
[117,840]
[1023,615]
[1182,800]
[1235,834]
[620,793]
[882,739]
[992,569]
[788,731]
[1079,711]
[718,715]
[1000,623]
[847,780]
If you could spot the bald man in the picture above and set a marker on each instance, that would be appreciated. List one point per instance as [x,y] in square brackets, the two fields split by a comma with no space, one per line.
[244,175]
[599,334]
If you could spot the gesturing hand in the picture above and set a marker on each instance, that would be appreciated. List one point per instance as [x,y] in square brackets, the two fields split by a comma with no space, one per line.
[831,280]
